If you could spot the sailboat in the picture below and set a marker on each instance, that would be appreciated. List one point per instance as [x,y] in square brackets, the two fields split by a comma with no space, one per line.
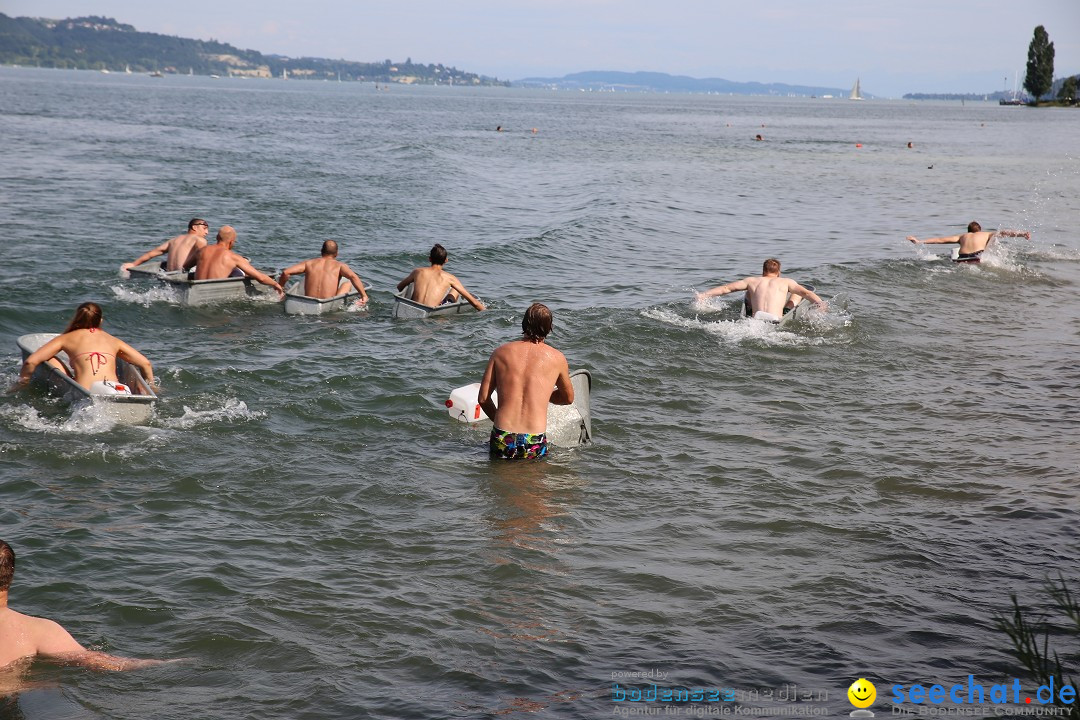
[284,74]
[855,94]
[127,69]
[1013,100]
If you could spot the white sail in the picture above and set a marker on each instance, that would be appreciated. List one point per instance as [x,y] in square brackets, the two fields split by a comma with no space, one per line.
[855,94]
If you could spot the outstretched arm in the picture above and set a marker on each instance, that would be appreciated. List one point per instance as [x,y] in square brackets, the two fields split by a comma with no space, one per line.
[1012,233]
[53,641]
[262,277]
[456,284]
[349,274]
[935,241]
[405,283]
[723,289]
[297,269]
[797,289]
[159,250]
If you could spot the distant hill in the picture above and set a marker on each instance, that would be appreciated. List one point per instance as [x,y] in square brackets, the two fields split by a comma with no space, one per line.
[99,43]
[604,80]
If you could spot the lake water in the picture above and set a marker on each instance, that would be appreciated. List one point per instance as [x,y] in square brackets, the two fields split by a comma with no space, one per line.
[856,495]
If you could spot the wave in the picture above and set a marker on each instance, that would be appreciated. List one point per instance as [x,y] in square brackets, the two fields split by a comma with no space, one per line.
[231,410]
[88,419]
[816,328]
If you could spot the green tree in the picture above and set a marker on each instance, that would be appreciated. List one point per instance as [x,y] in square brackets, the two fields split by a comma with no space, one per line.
[1068,90]
[1040,64]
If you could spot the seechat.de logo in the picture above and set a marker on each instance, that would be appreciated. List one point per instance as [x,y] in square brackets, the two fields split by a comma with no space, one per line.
[862,694]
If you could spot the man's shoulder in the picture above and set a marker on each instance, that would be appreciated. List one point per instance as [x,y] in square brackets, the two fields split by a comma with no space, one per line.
[35,626]
[555,352]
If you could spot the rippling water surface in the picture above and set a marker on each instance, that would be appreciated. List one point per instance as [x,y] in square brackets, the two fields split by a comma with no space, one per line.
[855,495]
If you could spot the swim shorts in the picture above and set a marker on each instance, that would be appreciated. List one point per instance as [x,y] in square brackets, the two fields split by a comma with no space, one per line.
[766,316]
[108,387]
[520,446]
[968,257]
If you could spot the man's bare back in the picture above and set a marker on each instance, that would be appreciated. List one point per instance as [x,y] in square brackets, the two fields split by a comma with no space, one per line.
[179,248]
[218,261]
[432,286]
[527,374]
[524,375]
[325,276]
[768,292]
[974,241]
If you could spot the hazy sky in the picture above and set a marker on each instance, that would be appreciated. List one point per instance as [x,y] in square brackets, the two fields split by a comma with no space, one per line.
[895,47]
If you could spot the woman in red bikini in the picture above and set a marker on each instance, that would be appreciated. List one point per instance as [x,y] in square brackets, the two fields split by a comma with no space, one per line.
[92,353]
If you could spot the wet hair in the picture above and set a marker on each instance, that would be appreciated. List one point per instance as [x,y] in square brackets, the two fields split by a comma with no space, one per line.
[537,322]
[87,315]
[437,256]
[974,227]
[329,248]
[770,266]
[196,221]
[7,565]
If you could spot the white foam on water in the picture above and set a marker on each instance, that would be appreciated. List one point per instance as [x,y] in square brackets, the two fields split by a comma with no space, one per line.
[712,305]
[85,419]
[735,331]
[156,294]
[264,297]
[232,409]
[928,253]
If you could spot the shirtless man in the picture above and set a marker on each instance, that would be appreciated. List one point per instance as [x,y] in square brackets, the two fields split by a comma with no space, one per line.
[179,248]
[973,242]
[92,353]
[23,637]
[523,373]
[325,276]
[433,286]
[769,293]
[219,261]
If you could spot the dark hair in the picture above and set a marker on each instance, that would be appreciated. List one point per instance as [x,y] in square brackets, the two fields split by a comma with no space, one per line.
[329,248]
[437,256]
[7,565]
[772,265]
[196,221]
[974,226]
[537,322]
[87,315]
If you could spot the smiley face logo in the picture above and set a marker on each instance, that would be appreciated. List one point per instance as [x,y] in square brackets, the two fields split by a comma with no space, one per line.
[862,693]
